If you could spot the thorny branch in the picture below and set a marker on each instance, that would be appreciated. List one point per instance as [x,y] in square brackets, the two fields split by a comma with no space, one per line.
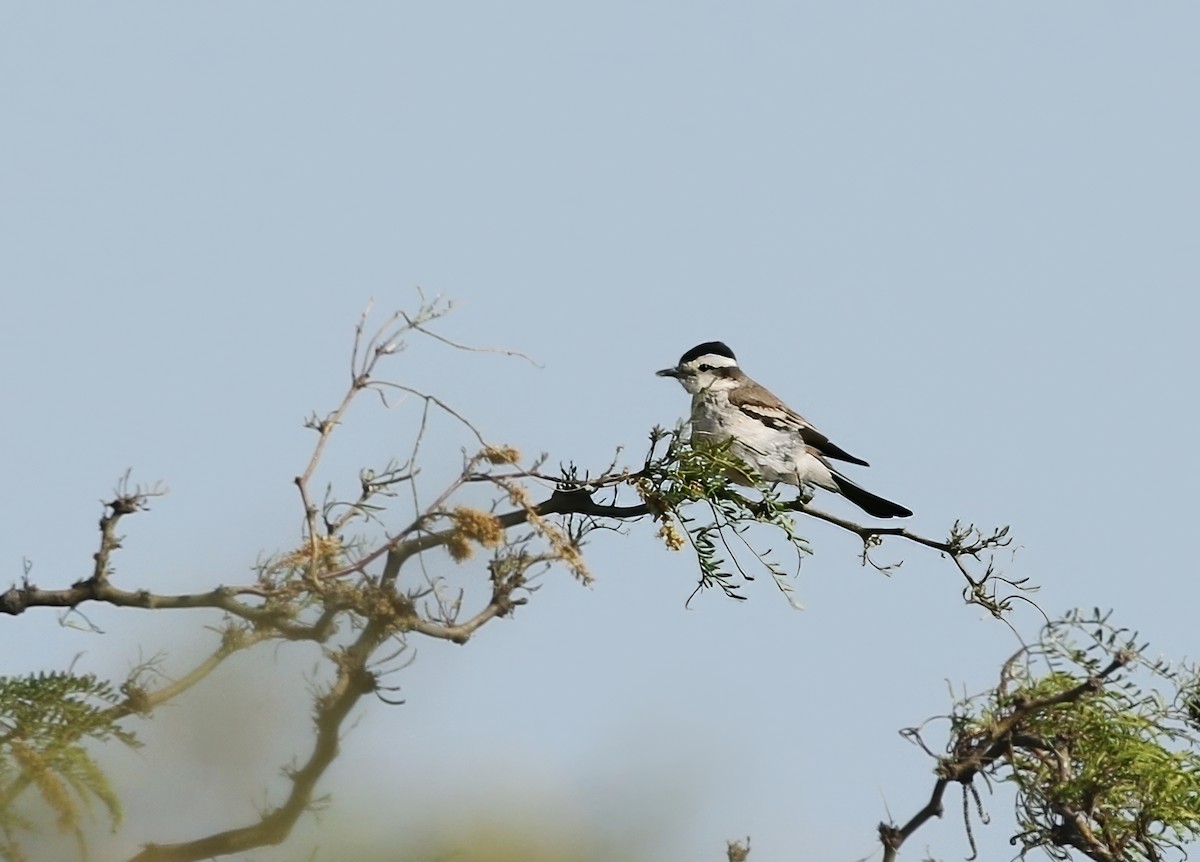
[335,583]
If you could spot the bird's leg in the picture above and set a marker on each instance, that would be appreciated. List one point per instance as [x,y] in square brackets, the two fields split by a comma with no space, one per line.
[760,507]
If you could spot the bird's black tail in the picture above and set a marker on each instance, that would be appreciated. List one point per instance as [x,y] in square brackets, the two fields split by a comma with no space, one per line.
[868,502]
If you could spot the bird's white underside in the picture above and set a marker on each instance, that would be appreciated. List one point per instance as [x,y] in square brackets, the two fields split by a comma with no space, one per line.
[777,454]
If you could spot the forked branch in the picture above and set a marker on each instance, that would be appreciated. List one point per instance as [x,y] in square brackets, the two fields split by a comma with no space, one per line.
[363,584]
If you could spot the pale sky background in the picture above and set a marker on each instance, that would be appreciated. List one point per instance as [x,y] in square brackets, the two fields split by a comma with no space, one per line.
[960,237]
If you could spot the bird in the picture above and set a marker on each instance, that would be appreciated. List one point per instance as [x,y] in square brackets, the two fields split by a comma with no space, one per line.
[778,443]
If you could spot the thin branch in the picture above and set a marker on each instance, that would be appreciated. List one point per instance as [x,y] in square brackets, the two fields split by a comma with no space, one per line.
[399,550]
[892,837]
[460,633]
[16,600]
[383,384]
[384,342]
[962,543]
[501,350]
[126,502]
[141,702]
[948,546]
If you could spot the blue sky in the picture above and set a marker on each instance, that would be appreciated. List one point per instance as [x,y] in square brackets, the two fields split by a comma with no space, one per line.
[961,238]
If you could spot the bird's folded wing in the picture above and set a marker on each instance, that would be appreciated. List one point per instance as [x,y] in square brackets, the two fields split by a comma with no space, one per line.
[756,403]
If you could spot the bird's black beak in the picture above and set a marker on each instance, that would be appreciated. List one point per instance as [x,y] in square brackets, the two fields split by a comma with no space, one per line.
[669,372]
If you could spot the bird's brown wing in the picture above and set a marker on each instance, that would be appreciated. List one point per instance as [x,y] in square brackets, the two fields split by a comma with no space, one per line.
[759,403]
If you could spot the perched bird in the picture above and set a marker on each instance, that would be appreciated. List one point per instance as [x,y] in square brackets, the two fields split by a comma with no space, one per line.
[778,443]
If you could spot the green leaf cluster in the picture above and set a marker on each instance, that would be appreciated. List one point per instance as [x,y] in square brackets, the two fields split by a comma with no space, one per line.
[1098,743]
[45,721]
[694,486]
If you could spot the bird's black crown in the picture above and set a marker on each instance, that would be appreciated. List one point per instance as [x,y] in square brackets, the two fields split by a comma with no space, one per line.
[720,348]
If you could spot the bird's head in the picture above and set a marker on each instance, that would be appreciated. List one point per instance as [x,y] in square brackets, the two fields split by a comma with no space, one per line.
[705,366]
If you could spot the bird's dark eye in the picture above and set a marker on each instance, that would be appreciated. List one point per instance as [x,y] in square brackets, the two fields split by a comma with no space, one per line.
[706,368]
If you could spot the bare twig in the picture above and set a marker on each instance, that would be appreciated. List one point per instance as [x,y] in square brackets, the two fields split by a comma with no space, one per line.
[126,501]
[501,350]
[430,399]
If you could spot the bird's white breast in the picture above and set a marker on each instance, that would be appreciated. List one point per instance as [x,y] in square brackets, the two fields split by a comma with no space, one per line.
[778,455]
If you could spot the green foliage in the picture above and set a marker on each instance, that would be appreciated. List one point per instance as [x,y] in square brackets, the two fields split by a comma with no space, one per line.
[1102,762]
[45,719]
[677,475]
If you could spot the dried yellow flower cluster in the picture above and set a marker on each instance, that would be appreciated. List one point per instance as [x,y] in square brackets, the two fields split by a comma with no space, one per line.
[473,525]
[501,454]
[562,546]
[327,551]
[671,537]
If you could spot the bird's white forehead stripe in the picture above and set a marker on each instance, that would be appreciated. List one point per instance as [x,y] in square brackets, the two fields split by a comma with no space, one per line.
[715,360]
